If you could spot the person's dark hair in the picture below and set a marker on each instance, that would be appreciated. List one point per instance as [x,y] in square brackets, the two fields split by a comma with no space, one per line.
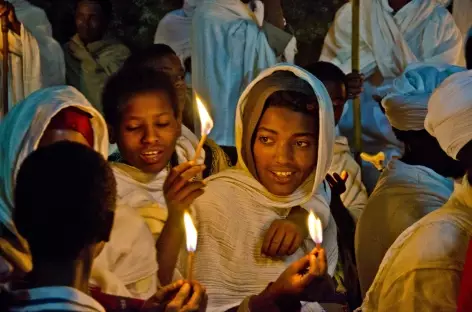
[295,101]
[65,198]
[326,71]
[147,56]
[105,5]
[129,82]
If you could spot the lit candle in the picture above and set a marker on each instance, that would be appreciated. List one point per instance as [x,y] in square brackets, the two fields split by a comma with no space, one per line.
[191,239]
[316,229]
[206,126]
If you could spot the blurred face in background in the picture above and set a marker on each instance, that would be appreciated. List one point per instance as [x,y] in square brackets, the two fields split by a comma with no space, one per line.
[90,20]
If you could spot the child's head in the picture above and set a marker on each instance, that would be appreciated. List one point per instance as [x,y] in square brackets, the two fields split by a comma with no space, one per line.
[335,82]
[285,140]
[142,111]
[161,57]
[71,213]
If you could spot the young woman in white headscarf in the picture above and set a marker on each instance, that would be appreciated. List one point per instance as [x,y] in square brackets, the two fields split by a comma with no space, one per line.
[56,114]
[285,137]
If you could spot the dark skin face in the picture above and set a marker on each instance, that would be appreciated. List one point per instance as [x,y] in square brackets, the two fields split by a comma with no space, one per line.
[337,93]
[148,131]
[90,21]
[285,150]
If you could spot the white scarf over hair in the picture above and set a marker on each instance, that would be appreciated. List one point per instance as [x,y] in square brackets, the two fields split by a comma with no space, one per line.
[22,129]
[423,30]
[449,117]
[36,59]
[406,107]
[235,211]
[143,191]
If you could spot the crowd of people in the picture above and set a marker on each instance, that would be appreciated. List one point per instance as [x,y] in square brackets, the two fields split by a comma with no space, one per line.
[100,161]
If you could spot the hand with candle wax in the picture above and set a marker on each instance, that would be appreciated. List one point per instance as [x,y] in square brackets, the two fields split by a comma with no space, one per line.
[180,191]
[304,280]
[354,85]
[180,296]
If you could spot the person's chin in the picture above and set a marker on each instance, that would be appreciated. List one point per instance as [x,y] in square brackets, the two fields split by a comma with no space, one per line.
[153,168]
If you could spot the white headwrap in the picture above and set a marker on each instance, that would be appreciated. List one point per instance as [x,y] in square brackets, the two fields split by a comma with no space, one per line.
[406,107]
[236,210]
[21,131]
[449,116]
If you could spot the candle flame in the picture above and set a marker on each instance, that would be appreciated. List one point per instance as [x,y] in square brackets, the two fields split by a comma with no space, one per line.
[191,233]
[315,227]
[205,119]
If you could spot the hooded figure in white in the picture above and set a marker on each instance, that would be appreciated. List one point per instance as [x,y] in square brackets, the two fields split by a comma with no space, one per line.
[236,209]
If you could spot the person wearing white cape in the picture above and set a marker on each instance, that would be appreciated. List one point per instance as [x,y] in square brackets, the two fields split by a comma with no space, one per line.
[36,59]
[231,45]
[416,184]
[239,205]
[393,34]
[47,116]
[430,254]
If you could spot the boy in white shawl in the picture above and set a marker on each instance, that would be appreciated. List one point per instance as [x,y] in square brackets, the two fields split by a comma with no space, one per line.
[430,254]
[36,59]
[416,184]
[231,44]
[278,169]
[393,34]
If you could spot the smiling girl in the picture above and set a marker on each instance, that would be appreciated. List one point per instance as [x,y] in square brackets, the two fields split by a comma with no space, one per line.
[145,120]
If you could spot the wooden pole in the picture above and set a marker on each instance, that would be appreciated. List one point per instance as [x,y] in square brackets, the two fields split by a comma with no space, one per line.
[5,69]
[356,68]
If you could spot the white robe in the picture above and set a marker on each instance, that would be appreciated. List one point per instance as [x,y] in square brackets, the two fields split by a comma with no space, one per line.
[423,31]
[462,11]
[403,195]
[236,210]
[229,50]
[422,269]
[36,59]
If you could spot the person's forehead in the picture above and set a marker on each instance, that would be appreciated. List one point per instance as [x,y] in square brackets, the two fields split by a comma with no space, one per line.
[291,122]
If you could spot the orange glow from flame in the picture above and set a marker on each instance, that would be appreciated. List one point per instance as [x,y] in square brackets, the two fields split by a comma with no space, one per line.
[190,232]
[315,227]
[205,119]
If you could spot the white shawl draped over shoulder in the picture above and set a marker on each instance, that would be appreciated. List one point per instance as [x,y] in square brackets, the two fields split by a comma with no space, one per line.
[143,191]
[229,50]
[20,133]
[36,59]
[235,211]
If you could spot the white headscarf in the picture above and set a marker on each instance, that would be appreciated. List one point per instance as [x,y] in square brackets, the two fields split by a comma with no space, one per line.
[236,210]
[407,105]
[21,131]
[449,116]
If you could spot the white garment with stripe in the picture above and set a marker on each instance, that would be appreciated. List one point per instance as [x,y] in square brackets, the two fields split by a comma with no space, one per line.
[36,59]
[235,211]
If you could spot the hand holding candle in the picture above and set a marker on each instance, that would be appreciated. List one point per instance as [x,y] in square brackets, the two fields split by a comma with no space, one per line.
[206,126]
[191,240]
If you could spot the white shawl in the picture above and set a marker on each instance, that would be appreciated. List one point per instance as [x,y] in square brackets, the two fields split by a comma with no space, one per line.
[22,129]
[235,211]
[36,59]
[407,105]
[229,50]
[423,30]
[143,191]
